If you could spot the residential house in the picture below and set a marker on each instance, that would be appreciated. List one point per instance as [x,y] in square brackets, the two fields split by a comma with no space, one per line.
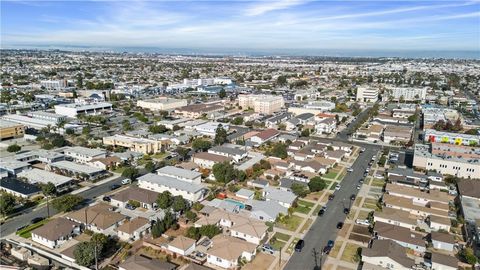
[236,154]
[207,160]
[258,183]
[140,262]
[386,254]
[443,241]
[444,262]
[225,251]
[265,210]
[182,245]
[98,218]
[105,163]
[440,223]
[403,236]
[245,194]
[264,136]
[181,174]
[37,176]
[55,232]
[19,188]
[83,154]
[395,217]
[146,198]
[284,198]
[134,229]
[326,125]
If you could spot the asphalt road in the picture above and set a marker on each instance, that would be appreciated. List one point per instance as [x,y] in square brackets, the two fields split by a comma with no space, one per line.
[324,227]
[11,225]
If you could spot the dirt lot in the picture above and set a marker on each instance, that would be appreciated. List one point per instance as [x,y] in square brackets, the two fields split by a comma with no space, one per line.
[261,261]
[359,238]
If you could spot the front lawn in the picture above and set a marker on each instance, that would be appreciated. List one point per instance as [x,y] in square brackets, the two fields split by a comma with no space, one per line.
[331,175]
[290,223]
[350,252]
[303,207]
[27,231]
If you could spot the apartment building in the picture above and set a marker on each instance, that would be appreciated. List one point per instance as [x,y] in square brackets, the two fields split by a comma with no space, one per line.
[83,154]
[365,94]
[265,104]
[141,145]
[447,165]
[162,104]
[198,110]
[160,183]
[10,130]
[408,93]
[432,135]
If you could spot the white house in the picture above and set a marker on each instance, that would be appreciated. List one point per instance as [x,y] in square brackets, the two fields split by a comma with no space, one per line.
[134,229]
[182,245]
[264,136]
[282,197]
[444,262]
[226,250]
[55,232]
[181,174]
[159,183]
[327,125]
[236,154]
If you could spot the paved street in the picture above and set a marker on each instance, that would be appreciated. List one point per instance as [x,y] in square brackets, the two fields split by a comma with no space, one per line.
[11,225]
[324,228]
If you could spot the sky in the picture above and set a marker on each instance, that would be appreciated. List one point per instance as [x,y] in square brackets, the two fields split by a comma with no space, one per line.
[283,24]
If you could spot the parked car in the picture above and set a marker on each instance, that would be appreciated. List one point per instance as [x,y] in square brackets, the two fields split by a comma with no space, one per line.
[321,212]
[363,222]
[299,245]
[331,197]
[360,181]
[37,219]
[352,198]
[346,210]
[350,170]
[337,187]
[114,186]
[339,225]
[267,248]
[326,250]
[126,181]
[359,186]
[106,198]
[130,207]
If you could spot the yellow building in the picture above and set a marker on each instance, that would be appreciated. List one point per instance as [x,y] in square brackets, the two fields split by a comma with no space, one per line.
[266,104]
[11,130]
[141,145]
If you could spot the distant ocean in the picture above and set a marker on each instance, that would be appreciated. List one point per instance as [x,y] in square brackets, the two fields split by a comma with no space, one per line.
[447,54]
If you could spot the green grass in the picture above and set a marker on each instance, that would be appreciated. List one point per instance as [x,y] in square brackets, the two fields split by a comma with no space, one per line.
[317,209]
[282,236]
[291,223]
[159,155]
[119,170]
[331,175]
[27,232]
[303,207]
[377,183]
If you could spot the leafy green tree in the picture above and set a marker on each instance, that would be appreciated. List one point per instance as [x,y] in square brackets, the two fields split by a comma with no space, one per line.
[224,172]
[237,120]
[7,203]
[127,126]
[281,80]
[412,118]
[86,130]
[130,173]
[149,166]
[468,256]
[182,152]
[201,144]
[316,184]
[179,204]
[305,133]
[220,135]
[49,189]
[156,129]
[84,253]
[278,150]
[191,215]
[299,189]
[67,202]
[164,200]
[222,94]
[13,148]
[206,230]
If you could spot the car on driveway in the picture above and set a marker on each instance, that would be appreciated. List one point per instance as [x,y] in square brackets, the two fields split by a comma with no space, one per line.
[339,225]
[267,248]
[299,245]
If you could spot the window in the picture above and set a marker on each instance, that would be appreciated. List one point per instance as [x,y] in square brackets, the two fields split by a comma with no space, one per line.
[219,260]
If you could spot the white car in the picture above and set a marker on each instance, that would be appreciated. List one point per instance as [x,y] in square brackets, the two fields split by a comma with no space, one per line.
[350,170]
[363,222]
[337,187]
[126,181]
[359,186]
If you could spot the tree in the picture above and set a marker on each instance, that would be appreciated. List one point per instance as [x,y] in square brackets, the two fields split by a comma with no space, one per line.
[79,82]
[281,80]
[305,133]
[179,204]
[84,253]
[237,120]
[86,130]
[201,144]
[468,255]
[316,184]
[299,189]
[220,135]
[67,202]
[13,148]
[127,126]
[156,129]
[164,200]
[278,150]
[412,118]
[149,166]
[472,131]
[7,203]
[130,173]
[182,152]
[49,189]
[191,215]
[224,172]
[222,94]
[206,230]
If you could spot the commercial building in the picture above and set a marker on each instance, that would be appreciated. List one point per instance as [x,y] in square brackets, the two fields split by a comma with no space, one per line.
[48,116]
[198,110]
[432,136]
[265,104]
[408,94]
[365,94]
[140,145]
[83,154]
[75,109]
[162,104]
[37,176]
[53,84]
[461,167]
[10,130]
[76,170]
[398,134]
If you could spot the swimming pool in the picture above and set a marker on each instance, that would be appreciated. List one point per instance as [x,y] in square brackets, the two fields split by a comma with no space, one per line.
[240,204]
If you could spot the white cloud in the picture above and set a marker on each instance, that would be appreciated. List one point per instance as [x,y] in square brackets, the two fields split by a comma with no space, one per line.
[267,6]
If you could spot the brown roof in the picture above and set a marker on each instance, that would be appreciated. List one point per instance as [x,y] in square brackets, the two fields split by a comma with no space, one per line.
[389,248]
[397,233]
[440,220]
[131,226]
[397,215]
[194,266]
[181,242]
[406,203]
[98,215]
[445,260]
[267,134]
[138,262]
[470,188]
[108,160]
[241,222]
[56,229]
[212,157]
[432,196]
[229,248]
[136,194]
[443,237]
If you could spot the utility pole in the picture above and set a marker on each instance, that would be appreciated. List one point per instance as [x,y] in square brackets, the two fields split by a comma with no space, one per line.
[96,259]
[48,208]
